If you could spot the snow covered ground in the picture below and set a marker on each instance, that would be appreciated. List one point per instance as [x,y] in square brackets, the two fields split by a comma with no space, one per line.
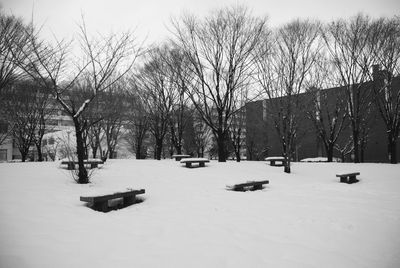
[189,219]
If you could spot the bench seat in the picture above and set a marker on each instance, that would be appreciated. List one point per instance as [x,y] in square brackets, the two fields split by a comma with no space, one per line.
[189,161]
[273,159]
[250,185]
[93,163]
[348,177]
[100,202]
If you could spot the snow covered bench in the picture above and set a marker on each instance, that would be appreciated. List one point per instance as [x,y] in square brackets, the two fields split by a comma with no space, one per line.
[178,157]
[348,177]
[100,202]
[190,161]
[273,159]
[250,185]
[94,163]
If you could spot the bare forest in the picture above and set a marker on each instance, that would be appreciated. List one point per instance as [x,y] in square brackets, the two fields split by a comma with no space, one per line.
[187,94]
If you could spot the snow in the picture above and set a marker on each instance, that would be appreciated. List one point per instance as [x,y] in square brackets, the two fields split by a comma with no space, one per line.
[194,160]
[274,158]
[319,159]
[82,108]
[189,219]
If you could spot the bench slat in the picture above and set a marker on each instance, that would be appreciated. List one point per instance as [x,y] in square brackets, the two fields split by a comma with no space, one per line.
[251,183]
[255,185]
[85,162]
[111,196]
[348,174]
[194,160]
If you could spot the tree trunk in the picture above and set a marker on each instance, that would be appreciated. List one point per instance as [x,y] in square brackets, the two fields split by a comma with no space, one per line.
[110,153]
[392,148]
[237,152]
[329,152]
[362,152]
[221,143]
[287,166]
[288,156]
[80,150]
[356,146]
[23,156]
[39,152]
[94,151]
[138,152]
[158,151]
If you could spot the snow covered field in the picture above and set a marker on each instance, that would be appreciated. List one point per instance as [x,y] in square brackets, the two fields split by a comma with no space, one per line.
[189,219]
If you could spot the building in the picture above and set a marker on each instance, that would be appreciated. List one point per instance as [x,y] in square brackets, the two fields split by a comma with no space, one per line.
[262,139]
[56,122]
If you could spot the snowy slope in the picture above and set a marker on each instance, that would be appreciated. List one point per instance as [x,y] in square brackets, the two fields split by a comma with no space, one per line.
[189,219]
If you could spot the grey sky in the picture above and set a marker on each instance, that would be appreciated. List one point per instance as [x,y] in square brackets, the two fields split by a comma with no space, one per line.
[150,17]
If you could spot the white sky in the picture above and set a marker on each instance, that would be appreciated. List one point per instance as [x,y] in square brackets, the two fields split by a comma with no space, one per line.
[150,17]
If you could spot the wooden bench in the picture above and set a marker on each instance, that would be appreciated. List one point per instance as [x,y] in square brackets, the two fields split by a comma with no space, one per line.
[273,160]
[100,203]
[250,185]
[178,157]
[190,161]
[71,164]
[348,177]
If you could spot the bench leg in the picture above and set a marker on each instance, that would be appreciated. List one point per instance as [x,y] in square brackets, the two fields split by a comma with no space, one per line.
[239,189]
[202,164]
[257,187]
[343,179]
[272,163]
[188,164]
[129,200]
[71,166]
[101,206]
[352,179]
[93,165]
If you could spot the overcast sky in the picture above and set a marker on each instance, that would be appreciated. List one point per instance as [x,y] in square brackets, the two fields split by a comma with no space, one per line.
[150,17]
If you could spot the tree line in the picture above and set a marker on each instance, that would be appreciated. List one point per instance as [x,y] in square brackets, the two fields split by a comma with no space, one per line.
[195,85]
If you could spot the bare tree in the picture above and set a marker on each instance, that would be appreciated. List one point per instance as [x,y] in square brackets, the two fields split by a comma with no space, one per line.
[328,115]
[237,131]
[5,128]
[345,149]
[105,61]
[385,46]
[202,135]
[180,74]
[22,103]
[284,63]
[219,50]
[158,95]
[94,116]
[327,109]
[138,121]
[347,44]
[114,116]
[12,35]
